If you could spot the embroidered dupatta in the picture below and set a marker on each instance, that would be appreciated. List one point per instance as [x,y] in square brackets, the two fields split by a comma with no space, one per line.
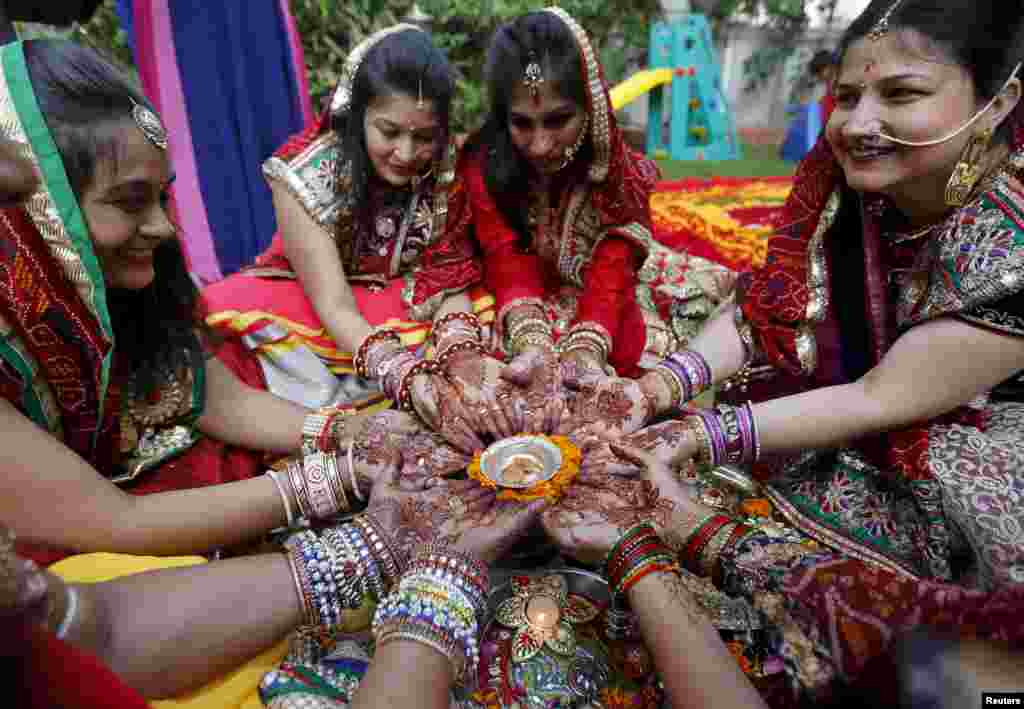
[55,330]
[975,258]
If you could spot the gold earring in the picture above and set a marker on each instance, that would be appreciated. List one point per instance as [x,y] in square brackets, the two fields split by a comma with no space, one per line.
[967,171]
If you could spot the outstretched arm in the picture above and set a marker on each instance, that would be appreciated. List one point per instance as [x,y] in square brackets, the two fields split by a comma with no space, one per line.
[694,664]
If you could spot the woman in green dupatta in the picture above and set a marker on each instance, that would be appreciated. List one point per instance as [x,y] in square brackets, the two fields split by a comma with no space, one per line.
[105,375]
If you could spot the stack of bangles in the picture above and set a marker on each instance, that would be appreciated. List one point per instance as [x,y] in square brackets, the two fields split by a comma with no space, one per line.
[317,486]
[341,568]
[528,330]
[589,337]
[638,552]
[440,602]
[454,334]
[686,373]
[725,434]
[382,356]
[703,546]
[324,428]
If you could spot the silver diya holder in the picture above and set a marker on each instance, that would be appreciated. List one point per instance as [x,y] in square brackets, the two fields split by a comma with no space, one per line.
[520,462]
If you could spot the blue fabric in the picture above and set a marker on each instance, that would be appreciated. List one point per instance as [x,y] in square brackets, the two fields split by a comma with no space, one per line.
[242,99]
[243,102]
[802,133]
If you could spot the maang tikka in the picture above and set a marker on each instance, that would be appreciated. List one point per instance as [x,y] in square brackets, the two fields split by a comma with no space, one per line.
[533,77]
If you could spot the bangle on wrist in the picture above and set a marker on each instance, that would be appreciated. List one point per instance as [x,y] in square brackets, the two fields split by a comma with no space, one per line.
[285,500]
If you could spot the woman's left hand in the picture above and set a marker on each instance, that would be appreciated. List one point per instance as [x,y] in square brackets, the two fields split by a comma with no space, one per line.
[669,442]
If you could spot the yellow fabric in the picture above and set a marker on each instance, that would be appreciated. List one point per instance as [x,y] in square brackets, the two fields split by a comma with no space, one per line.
[238,689]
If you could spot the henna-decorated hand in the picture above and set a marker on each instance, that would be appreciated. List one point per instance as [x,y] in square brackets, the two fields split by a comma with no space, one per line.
[669,442]
[377,437]
[460,513]
[441,407]
[539,372]
[591,517]
[492,535]
[606,407]
[423,513]
[678,498]
[478,379]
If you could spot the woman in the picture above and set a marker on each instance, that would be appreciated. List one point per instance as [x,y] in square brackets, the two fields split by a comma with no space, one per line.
[560,210]
[893,292]
[58,631]
[105,379]
[359,195]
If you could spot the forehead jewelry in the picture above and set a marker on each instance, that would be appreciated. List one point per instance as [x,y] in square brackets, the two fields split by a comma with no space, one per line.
[881,27]
[150,125]
[533,77]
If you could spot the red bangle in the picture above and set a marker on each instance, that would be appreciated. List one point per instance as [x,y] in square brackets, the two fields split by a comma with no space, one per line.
[632,581]
[690,555]
[424,366]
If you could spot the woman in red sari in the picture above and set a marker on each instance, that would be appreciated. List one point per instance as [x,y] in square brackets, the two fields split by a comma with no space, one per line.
[360,195]
[558,205]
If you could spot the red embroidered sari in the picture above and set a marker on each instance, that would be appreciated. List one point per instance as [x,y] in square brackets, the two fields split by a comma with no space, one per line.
[587,253]
[918,527]
[266,307]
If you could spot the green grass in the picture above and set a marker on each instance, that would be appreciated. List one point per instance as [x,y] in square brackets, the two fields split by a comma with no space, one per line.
[757,161]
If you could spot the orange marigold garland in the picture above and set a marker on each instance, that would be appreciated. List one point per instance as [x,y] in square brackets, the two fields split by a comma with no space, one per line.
[552,489]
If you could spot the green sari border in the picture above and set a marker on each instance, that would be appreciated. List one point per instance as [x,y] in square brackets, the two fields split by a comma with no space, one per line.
[33,405]
[51,166]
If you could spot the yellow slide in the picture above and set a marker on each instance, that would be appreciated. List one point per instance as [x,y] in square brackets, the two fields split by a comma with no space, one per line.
[637,85]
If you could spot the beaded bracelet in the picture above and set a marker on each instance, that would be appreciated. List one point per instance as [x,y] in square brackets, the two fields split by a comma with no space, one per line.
[469,319]
[439,602]
[380,547]
[348,576]
[375,337]
[312,562]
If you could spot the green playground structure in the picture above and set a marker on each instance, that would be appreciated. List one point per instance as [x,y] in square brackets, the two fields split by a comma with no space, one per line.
[701,125]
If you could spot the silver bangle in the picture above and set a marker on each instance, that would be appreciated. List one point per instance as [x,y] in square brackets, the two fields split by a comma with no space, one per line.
[284,497]
[70,611]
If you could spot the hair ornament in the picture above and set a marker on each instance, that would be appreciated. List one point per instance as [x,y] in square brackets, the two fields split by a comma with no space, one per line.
[881,27]
[150,125]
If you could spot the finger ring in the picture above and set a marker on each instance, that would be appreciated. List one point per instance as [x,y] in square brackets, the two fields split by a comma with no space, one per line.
[456,506]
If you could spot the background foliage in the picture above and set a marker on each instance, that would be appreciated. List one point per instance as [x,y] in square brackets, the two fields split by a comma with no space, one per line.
[329,28]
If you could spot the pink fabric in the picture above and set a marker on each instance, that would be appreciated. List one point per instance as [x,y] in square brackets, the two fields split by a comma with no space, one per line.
[161,80]
[298,62]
